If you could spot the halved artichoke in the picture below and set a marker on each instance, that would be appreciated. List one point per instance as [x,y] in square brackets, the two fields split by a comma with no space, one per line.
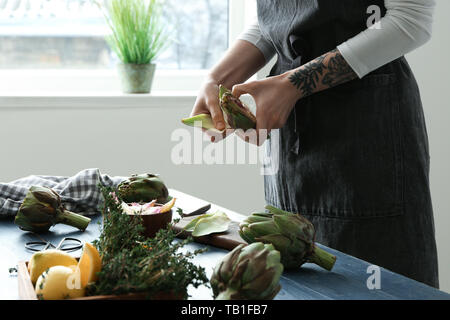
[237,115]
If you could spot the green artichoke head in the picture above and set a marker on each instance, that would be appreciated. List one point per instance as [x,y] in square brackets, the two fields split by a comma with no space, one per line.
[291,234]
[236,113]
[39,210]
[143,188]
[42,208]
[249,272]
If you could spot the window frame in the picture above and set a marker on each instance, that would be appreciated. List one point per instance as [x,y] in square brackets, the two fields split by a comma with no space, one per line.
[57,81]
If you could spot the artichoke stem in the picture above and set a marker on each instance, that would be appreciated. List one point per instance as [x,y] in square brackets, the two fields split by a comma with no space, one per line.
[322,258]
[73,219]
[227,294]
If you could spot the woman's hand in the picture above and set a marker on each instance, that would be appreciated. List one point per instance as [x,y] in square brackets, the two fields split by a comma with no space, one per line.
[208,103]
[275,98]
[240,62]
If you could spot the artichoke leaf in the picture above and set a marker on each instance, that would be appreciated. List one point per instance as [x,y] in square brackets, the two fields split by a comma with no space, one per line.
[247,234]
[288,224]
[229,263]
[256,218]
[279,241]
[203,121]
[264,228]
[208,224]
[217,223]
[236,114]
[263,281]
[191,225]
[275,210]
[262,215]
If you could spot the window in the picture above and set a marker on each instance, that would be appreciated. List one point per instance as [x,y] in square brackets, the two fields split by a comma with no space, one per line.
[57,47]
[69,34]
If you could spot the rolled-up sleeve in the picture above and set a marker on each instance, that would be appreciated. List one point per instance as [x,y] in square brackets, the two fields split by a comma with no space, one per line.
[253,35]
[406,26]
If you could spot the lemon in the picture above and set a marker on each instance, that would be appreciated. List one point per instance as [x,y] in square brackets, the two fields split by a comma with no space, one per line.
[43,260]
[58,283]
[61,276]
[89,265]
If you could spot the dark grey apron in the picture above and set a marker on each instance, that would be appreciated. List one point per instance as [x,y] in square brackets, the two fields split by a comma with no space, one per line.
[353,159]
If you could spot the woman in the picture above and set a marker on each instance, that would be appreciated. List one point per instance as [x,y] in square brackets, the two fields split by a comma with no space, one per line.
[353,146]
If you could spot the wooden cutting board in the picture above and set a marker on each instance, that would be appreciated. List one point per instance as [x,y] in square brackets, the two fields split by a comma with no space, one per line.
[227,240]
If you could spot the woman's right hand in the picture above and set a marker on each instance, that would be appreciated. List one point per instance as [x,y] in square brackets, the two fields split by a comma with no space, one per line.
[208,103]
[240,62]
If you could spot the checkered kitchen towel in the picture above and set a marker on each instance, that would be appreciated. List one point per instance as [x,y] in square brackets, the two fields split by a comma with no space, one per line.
[79,194]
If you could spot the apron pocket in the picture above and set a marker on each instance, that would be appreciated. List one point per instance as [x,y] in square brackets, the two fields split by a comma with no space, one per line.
[351,164]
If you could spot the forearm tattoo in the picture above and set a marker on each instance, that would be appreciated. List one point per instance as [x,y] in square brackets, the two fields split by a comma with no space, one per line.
[325,72]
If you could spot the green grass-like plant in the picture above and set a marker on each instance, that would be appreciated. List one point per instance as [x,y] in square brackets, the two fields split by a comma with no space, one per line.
[137,33]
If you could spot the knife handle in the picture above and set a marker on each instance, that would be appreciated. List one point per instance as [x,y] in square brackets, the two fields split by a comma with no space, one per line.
[198,212]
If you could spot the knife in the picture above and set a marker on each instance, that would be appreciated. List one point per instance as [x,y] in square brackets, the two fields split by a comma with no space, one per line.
[197,212]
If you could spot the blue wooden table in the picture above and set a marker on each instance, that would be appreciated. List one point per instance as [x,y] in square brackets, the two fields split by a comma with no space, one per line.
[347,281]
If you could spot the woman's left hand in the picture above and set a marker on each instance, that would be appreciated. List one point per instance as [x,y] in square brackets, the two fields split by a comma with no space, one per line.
[275,98]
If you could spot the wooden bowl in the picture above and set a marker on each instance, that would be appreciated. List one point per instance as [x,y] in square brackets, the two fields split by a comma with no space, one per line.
[155,222]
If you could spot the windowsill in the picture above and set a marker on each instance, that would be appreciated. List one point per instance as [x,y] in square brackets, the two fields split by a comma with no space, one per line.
[89,100]
[87,89]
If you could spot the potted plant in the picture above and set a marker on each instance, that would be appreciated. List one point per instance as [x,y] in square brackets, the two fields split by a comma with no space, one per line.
[137,38]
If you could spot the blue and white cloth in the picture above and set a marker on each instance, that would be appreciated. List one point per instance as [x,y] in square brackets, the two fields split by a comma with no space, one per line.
[79,193]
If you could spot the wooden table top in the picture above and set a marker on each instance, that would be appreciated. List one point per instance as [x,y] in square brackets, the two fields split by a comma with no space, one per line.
[347,281]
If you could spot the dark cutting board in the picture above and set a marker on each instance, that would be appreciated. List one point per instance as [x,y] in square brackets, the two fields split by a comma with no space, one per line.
[227,240]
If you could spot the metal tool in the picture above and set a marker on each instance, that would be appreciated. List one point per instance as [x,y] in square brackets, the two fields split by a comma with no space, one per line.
[67,244]
[197,212]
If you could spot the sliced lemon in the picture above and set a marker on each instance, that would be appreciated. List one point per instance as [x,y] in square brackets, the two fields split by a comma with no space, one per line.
[41,261]
[89,265]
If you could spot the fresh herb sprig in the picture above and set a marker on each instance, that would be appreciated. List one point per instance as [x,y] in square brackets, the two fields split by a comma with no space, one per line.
[133,264]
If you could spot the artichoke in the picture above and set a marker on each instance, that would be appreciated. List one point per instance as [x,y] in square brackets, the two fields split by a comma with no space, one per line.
[237,115]
[42,209]
[143,188]
[291,234]
[203,121]
[249,272]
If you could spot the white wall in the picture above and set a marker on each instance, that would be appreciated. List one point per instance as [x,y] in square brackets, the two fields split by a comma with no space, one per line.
[431,65]
[121,141]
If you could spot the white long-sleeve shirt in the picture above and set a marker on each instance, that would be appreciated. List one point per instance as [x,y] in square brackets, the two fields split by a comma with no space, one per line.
[406,26]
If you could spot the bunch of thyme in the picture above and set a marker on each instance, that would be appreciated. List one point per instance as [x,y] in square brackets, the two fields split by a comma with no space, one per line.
[133,264]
